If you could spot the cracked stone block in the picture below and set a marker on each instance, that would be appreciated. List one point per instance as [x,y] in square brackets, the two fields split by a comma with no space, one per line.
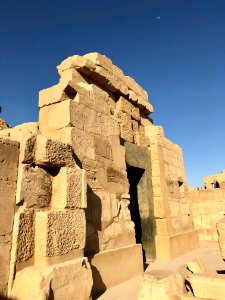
[69,188]
[34,187]
[62,281]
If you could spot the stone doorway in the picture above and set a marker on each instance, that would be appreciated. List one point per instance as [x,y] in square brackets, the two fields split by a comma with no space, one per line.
[134,176]
[141,203]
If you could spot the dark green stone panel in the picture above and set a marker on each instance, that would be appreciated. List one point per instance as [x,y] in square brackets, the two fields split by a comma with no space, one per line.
[139,157]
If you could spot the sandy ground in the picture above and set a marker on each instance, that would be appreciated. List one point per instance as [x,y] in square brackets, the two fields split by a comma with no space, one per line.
[208,253]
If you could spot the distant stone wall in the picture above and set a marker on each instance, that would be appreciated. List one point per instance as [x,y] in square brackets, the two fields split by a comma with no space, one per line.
[208,207]
[9,154]
[215,180]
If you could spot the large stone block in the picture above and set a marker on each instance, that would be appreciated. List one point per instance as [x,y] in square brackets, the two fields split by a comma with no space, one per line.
[69,280]
[52,153]
[122,269]
[9,151]
[171,246]
[126,131]
[23,236]
[123,105]
[69,188]
[160,284]
[59,232]
[208,287]
[102,148]
[81,142]
[34,187]
[57,93]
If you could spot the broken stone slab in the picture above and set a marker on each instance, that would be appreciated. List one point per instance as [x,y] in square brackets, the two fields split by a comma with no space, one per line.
[69,188]
[57,93]
[81,63]
[34,186]
[68,280]
[59,232]
[161,284]
[195,266]
[206,286]
[221,236]
[52,153]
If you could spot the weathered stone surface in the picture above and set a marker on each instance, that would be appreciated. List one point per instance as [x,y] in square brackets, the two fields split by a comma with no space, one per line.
[160,284]
[59,232]
[23,235]
[9,156]
[35,187]
[3,124]
[52,153]
[62,281]
[57,93]
[69,188]
[126,127]
[124,105]
[221,233]
[196,266]
[206,286]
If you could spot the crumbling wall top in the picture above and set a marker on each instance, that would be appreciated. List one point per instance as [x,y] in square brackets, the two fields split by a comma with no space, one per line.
[100,69]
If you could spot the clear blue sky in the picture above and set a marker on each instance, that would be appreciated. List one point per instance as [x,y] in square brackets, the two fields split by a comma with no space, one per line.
[174,48]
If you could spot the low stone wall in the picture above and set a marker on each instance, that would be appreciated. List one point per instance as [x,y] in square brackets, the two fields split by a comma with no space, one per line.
[208,207]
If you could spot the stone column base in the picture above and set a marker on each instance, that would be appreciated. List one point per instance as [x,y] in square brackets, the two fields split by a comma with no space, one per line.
[170,247]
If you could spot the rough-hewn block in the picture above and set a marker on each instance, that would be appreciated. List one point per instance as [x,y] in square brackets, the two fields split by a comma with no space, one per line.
[61,281]
[59,232]
[23,235]
[69,188]
[123,105]
[126,127]
[52,153]
[34,187]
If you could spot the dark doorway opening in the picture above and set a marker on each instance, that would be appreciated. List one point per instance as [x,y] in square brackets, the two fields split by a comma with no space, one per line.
[134,175]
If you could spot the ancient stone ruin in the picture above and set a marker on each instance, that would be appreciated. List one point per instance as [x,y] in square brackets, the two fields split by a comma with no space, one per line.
[92,191]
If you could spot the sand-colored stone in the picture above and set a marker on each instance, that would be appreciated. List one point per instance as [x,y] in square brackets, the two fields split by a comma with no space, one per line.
[95,176]
[59,232]
[161,285]
[207,286]
[34,187]
[122,269]
[67,280]
[196,266]
[52,153]
[73,192]
[221,235]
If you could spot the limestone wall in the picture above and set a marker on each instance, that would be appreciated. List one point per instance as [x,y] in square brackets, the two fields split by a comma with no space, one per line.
[208,207]
[174,221]
[92,108]
[73,189]
[9,153]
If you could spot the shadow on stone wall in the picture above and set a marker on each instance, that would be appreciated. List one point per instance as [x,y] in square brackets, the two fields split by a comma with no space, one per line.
[92,245]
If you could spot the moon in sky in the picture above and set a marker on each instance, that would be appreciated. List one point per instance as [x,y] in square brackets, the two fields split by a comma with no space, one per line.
[158,18]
